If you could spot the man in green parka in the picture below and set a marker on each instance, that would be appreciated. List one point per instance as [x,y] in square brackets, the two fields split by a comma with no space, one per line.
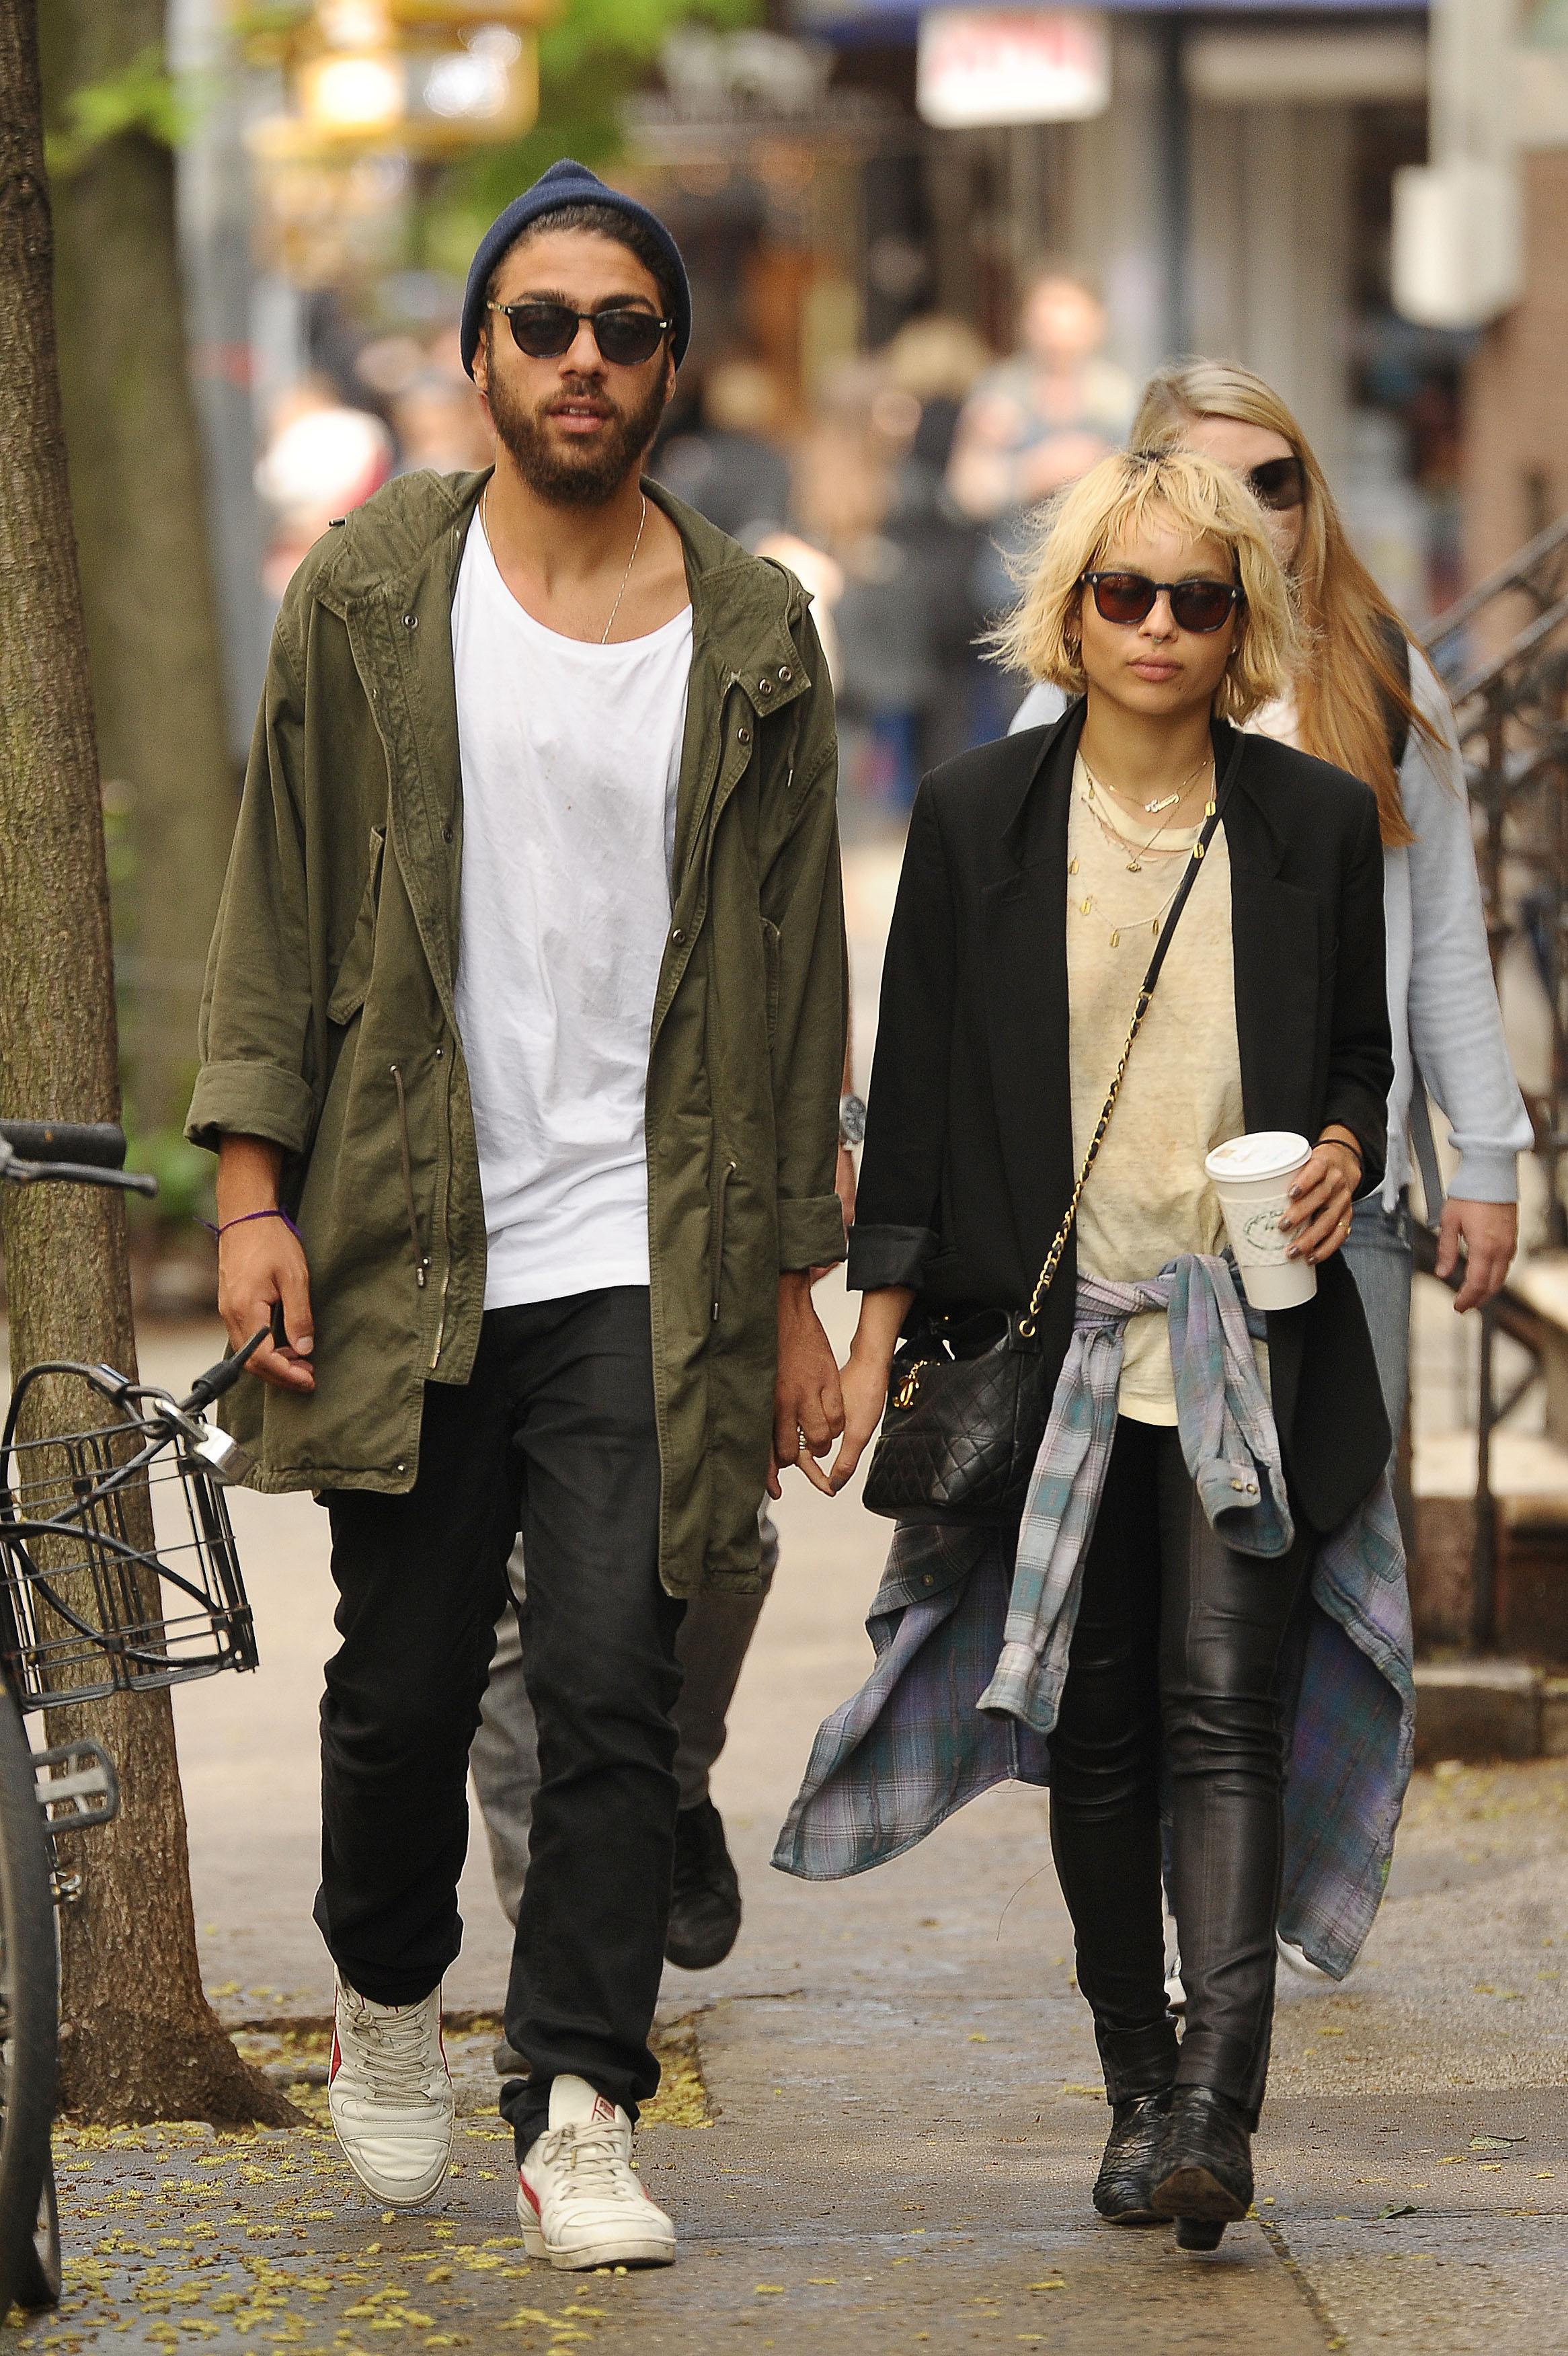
[521,1052]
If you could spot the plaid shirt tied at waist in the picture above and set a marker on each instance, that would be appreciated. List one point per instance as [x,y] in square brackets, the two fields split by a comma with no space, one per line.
[971,1636]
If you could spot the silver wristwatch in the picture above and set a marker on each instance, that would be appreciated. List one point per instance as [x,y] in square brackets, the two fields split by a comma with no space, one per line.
[852,1120]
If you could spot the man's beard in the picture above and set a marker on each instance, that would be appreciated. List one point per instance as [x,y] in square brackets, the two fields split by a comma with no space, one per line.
[571,477]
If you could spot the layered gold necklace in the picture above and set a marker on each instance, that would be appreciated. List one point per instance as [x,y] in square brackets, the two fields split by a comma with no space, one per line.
[1098,802]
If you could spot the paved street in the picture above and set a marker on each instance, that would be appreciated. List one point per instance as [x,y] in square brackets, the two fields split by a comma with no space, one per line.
[891,2139]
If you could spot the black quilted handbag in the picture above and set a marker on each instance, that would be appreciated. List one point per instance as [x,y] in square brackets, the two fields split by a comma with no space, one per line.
[968,1401]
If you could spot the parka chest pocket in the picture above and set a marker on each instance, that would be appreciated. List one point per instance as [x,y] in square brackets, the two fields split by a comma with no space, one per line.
[354,973]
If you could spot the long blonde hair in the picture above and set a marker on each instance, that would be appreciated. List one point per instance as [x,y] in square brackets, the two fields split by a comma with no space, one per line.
[1355,682]
[1123,491]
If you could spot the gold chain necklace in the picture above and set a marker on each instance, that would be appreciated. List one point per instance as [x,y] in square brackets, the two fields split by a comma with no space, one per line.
[1162,802]
[1134,852]
[1090,904]
[626,576]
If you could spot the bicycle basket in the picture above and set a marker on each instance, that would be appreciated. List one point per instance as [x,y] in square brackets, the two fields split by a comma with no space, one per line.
[118,1568]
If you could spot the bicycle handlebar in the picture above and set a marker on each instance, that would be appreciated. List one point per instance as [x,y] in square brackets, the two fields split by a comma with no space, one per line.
[76,1153]
[99,1144]
[224,1375]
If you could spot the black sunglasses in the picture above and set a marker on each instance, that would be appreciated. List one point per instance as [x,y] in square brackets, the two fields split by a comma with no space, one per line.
[1278,483]
[1200,607]
[625,337]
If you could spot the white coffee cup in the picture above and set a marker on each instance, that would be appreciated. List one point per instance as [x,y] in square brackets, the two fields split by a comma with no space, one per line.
[1251,1176]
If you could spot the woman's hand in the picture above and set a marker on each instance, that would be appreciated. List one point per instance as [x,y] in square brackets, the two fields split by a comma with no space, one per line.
[864,1379]
[1489,1232]
[864,1382]
[1321,1196]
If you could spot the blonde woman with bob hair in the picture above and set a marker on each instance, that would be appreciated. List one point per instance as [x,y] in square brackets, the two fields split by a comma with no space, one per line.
[1178,1519]
[1368,701]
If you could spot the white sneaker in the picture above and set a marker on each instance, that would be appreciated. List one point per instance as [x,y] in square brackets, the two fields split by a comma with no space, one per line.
[390,2093]
[579,2200]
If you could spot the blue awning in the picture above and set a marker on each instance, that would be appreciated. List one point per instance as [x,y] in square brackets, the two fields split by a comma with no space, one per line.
[896,20]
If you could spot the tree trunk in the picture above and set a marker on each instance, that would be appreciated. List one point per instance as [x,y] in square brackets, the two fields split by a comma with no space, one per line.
[143,2041]
[136,488]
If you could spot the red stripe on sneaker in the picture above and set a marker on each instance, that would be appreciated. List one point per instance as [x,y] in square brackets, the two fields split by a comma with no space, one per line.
[337,2061]
[603,2110]
[528,2192]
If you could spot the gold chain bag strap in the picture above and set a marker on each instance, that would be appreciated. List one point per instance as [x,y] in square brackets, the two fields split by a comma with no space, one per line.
[963,1424]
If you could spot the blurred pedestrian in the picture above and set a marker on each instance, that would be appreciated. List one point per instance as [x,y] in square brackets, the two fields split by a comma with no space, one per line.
[1033,424]
[323,458]
[1046,1093]
[733,469]
[934,361]
[440,424]
[528,1007]
[1368,700]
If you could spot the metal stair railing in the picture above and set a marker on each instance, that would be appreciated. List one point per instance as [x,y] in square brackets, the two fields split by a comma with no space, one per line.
[1508,677]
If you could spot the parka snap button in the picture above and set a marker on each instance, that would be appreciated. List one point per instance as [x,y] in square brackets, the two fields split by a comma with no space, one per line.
[764,687]
[446,834]
[410,621]
[743,735]
[677,937]
[785,674]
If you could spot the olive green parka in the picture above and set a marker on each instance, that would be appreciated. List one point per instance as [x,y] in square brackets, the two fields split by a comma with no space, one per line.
[329,1024]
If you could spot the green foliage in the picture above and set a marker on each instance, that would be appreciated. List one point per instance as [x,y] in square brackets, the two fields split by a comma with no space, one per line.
[588,62]
[142,96]
[184,1172]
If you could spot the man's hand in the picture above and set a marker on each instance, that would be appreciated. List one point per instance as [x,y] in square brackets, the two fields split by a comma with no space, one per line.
[260,1264]
[1489,1233]
[808,1407]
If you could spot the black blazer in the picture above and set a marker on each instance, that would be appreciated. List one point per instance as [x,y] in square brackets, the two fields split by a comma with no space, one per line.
[968,1164]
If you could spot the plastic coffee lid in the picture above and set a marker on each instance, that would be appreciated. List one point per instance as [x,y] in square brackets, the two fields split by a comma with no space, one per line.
[1261,1154]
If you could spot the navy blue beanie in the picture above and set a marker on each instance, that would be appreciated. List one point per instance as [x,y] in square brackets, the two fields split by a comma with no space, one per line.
[571,184]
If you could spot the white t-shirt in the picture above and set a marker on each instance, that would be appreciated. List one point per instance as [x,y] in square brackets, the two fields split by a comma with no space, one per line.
[570,754]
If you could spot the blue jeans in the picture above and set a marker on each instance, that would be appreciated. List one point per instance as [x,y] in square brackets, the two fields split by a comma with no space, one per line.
[1376,1252]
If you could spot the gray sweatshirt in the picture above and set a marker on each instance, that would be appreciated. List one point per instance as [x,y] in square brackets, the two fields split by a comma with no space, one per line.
[1442,1003]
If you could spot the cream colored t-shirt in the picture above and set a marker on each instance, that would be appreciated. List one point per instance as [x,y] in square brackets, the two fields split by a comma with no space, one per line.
[1147,1198]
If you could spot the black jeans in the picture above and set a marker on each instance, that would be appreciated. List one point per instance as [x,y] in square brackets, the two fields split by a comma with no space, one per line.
[554,1434]
[1176,1654]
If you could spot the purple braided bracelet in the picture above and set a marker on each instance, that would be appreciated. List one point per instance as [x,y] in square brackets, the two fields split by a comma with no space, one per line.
[244,1215]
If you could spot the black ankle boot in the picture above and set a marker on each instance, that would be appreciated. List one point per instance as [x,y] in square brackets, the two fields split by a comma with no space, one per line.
[1125,2182]
[1203,2171]
[705,1909]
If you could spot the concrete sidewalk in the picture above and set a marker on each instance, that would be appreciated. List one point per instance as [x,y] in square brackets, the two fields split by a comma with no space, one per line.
[897,2077]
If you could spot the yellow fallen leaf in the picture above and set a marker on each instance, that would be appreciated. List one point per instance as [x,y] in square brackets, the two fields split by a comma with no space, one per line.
[767,2286]
[978,2037]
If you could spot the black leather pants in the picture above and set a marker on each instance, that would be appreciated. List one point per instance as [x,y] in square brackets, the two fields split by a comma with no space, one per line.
[1175,1652]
